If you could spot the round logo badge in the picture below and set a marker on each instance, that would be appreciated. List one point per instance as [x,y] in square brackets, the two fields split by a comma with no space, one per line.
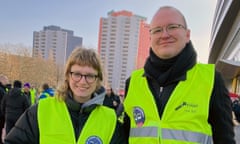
[94,140]
[139,116]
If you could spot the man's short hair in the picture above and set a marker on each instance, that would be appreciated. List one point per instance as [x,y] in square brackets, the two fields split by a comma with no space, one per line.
[17,84]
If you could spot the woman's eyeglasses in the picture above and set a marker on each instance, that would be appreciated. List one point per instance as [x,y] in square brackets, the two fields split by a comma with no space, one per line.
[89,78]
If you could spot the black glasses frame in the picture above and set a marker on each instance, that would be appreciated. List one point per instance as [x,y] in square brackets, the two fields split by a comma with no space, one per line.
[89,78]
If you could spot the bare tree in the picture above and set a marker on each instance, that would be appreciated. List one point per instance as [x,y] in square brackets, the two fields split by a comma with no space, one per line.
[35,70]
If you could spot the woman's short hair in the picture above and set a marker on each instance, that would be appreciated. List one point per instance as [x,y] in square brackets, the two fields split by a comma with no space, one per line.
[82,57]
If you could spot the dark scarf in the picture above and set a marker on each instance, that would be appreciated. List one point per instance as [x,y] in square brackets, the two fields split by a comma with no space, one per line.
[166,71]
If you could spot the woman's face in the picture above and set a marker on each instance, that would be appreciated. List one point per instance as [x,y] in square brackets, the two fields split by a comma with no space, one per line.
[82,82]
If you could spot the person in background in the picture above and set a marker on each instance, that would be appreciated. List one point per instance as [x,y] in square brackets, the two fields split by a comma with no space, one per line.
[29,93]
[111,99]
[14,104]
[174,99]
[8,87]
[75,115]
[47,92]
[236,110]
[34,93]
[3,90]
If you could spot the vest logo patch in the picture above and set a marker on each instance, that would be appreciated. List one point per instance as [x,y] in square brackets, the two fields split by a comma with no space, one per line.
[139,116]
[94,140]
[187,107]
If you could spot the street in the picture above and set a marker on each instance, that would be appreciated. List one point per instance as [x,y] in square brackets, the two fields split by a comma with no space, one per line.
[237,134]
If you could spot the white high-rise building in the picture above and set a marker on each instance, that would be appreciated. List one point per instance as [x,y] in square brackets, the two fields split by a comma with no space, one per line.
[54,43]
[225,43]
[119,38]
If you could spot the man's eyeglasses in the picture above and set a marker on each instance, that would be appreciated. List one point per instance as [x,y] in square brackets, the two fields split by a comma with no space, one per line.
[89,78]
[169,29]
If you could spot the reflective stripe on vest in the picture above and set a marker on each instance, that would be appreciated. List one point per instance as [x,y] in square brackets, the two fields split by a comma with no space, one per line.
[171,134]
[55,125]
[185,113]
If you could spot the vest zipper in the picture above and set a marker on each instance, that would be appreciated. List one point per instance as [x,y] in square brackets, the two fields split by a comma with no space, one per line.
[160,91]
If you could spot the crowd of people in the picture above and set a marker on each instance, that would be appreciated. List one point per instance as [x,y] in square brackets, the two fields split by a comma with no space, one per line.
[15,99]
[172,99]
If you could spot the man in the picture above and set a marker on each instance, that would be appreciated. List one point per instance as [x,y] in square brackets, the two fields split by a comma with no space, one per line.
[236,109]
[174,99]
[111,99]
[3,87]
[30,94]
[14,104]
[47,92]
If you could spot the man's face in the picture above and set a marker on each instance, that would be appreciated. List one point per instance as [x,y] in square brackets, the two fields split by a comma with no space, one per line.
[108,91]
[4,80]
[26,88]
[169,34]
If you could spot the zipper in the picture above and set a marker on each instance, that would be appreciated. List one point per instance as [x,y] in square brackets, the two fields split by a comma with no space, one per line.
[160,91]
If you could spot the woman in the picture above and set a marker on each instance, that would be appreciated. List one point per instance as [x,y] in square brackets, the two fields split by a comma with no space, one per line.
[75,114]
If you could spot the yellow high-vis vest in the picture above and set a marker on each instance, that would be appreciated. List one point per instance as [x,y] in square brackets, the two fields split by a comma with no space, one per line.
[185,116]
[32,95]
[55,125]
[46,94]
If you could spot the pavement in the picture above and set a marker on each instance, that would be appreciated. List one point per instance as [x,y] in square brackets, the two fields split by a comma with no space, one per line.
[237,134]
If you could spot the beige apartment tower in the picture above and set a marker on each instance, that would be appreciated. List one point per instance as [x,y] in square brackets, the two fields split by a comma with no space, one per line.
[54,43]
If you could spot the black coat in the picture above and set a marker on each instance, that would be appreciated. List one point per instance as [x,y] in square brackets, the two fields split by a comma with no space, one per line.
[13,106]
[167,74]
[26,130]
[108,101]
[2,94]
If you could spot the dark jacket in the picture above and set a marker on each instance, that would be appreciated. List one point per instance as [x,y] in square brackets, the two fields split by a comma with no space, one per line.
[166,74]
[26,130]
[108,101]
[13,105]
[236,109]
[2,94]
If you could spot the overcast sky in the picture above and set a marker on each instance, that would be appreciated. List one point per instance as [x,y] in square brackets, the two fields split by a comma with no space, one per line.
[19,18]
